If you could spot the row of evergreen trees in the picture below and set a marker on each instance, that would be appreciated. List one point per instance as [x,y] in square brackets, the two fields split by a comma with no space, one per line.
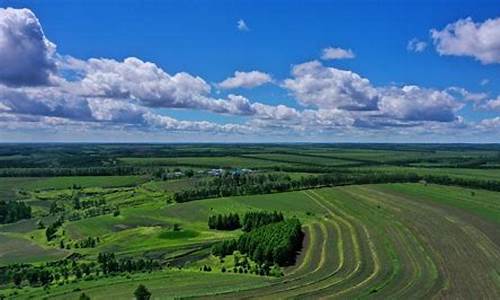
[13,211]
[276,243]
[251,220]
[255,219]
[224,222]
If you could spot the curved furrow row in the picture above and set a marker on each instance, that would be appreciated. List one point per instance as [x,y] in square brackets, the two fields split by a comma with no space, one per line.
[416,272]
[347,249]
[368,264]
[462,252]
[330,263]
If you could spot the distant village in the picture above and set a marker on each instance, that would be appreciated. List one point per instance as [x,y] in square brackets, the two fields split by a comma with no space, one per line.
[211,172]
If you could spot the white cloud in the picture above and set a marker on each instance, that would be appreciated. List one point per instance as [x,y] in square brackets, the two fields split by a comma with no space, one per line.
[25,53]
[245,80]
[484,82]
[323,87]
[416,45]
[466,38]
[328,88]
[476,98]
[493,104]
[336,53]
[143,82]
[490,124]
[242,25]
[413,103]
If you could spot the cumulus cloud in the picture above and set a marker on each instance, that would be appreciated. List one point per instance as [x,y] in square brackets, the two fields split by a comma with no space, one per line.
[489,124]
[246,80]
[466,95]
[492,104]
[323,87]
[26,55]
[416,45]
[328,88]
[44,102]
[141,81]
[336,53]
[413,103]
[467,38]
[242,25]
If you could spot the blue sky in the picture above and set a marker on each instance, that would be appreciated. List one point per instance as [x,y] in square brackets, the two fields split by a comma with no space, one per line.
[202,39]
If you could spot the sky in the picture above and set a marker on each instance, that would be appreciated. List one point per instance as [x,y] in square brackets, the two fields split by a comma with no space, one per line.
[247,71]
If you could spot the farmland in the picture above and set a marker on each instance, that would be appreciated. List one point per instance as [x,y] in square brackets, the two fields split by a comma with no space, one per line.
[435,235]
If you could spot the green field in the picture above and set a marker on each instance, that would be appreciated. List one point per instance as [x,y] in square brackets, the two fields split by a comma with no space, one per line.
[378,241]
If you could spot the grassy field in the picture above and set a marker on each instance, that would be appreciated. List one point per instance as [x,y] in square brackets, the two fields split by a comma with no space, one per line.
[375,241]
[8,186]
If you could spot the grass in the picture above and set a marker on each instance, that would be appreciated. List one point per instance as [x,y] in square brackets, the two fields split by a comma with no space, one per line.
[362,241]
[163,285]
[15,248]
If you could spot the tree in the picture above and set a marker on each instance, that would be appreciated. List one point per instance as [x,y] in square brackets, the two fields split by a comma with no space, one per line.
[84,296]
[18,279]
[142,293]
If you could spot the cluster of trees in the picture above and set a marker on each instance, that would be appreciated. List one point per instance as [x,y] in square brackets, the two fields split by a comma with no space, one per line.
[89,242]
[276,243]
[110,264]
[224,222]
[50,231]
[255,219]
[85,204]
[92,212]
[13,211]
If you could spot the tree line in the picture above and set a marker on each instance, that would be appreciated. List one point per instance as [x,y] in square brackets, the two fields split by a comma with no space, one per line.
[280,184]
[266,184]
[90,171]
[68,269]
[13,211]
